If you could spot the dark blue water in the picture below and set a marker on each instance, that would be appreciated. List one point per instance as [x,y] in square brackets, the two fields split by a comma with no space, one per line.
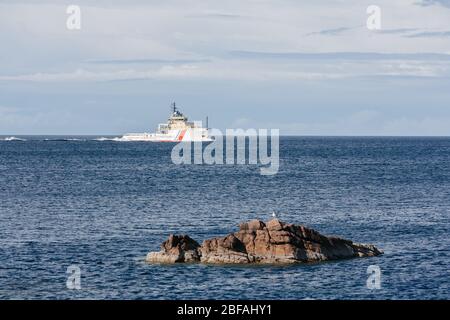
[103,205]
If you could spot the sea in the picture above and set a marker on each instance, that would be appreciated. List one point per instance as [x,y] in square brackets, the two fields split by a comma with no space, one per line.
[98,206]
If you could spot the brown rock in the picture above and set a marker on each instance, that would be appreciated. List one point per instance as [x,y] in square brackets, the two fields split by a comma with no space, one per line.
[226,250]
[259,242]
[275,225]
[176,249]
[252,225]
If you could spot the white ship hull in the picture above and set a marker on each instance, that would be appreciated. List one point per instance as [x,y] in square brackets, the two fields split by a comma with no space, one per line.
[182,135]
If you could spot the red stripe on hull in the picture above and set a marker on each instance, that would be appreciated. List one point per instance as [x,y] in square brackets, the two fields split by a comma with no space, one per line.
[181,136]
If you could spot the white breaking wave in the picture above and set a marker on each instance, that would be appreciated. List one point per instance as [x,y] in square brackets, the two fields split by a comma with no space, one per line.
[12,139]
[109,139]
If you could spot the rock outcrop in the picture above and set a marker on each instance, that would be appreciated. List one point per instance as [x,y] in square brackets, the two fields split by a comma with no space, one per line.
[273,242]
[176,249]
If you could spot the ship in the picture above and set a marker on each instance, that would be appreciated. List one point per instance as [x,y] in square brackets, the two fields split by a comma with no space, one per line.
[177,129]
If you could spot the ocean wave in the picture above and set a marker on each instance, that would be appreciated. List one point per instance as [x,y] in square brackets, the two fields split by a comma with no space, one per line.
[12,139]
[108,139]
[65,139]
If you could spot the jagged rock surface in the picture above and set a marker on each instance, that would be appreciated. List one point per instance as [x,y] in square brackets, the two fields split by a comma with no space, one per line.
[258,242]
[176,249]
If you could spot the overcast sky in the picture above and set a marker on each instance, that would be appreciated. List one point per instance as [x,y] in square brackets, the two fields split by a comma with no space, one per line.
[307,68]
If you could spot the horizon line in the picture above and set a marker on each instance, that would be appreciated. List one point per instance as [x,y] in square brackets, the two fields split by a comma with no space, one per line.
[281,135]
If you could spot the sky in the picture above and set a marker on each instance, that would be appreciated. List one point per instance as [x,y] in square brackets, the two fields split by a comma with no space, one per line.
[304,67]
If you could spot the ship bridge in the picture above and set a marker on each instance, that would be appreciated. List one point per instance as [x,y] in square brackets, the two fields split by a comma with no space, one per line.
[178,120]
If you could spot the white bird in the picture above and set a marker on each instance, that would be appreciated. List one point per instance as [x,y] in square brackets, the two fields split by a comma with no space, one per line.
[274,215]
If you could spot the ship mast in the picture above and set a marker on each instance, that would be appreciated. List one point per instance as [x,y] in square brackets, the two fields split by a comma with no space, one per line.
[174,107]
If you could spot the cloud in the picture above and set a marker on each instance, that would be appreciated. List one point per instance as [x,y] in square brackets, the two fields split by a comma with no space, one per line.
[427,126]
[362,123]
[431,34]
[396,31]
[189,32]
[425,3]
[148,61]
[172,72]
[16,119]
[331,32]
[221,16]
[272,67]
[115,75]
[340,56]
